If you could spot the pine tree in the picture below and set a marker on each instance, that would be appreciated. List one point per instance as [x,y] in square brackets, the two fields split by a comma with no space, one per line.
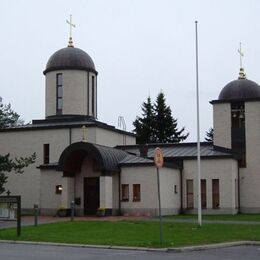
[144,126]
[166,129]
[209,135]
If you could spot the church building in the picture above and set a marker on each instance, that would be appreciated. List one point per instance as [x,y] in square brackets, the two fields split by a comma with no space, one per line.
[96,165]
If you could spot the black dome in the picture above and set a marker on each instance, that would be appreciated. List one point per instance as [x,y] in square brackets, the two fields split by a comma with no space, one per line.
[240,89]
[70,58]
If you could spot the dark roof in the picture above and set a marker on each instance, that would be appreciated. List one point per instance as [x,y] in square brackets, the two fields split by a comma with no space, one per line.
[239,90]
[70,58]
[182,150]
[131,159]
[65,121]
[107,158]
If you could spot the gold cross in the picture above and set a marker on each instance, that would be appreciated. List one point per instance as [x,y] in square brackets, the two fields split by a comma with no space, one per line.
[84,139]
[71,25]
[241,54]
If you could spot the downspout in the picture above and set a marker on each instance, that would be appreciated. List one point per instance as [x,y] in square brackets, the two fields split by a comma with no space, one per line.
[70,136]
[181,189]
[119,192]
[238,190]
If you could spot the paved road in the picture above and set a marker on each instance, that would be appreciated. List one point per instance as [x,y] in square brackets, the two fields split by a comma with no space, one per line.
[43,252]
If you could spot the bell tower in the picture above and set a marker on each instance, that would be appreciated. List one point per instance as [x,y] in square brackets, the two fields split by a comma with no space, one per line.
[71,82]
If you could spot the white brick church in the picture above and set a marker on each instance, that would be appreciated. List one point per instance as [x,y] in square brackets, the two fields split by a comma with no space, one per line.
[98,166]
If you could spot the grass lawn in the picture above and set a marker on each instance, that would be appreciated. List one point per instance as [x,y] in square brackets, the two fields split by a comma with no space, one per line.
[134,233]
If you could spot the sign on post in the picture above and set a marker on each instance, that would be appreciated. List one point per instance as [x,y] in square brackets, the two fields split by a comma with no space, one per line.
[158,157]
[14,200]
[158,160]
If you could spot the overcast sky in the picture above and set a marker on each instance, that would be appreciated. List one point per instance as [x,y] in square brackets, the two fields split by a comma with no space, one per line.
[139,48]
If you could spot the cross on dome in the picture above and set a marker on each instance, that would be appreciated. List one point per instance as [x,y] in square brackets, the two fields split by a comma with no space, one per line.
[242,74]
[71,25]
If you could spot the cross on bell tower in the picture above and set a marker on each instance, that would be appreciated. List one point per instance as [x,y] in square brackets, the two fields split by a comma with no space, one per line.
[242,74]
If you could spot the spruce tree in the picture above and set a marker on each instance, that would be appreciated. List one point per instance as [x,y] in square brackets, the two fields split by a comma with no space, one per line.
[157,124]
[209,135]
[166,129]
[144,126]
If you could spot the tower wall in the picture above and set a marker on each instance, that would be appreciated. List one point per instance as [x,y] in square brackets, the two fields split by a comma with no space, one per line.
[78,95]
[222,125]
[250,176]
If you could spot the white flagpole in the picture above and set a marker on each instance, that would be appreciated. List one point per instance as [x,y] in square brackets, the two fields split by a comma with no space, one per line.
[198,127]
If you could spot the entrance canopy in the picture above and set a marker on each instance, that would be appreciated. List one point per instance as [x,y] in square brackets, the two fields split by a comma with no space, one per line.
[106,158]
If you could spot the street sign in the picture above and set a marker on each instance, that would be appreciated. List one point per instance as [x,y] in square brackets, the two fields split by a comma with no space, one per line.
[158,157]
[158,160]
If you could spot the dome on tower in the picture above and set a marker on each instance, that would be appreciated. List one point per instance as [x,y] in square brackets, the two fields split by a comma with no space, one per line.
[241,88]
[70,58]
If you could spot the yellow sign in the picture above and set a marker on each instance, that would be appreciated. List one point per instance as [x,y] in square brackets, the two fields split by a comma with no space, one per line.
[158,157]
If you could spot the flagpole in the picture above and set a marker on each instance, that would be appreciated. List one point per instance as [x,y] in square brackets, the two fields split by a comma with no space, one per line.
[198,128]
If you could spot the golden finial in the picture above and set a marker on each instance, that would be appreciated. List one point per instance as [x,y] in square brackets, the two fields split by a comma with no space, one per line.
[84,139]
[242,74]
[71,25]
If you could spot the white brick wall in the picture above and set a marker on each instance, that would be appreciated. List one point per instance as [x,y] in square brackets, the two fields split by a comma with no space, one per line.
[222,124]
[223,169]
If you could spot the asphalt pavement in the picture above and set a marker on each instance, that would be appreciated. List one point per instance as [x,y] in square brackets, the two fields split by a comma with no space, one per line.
[9,251]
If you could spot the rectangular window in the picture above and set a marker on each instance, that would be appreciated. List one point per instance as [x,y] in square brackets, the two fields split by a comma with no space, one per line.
[175,189]
[46,153]
[93,95]
[58,189]
[203,194]
[59,93]
[189,188]
[136,192]
[215,193]
[59,79]
[125,192]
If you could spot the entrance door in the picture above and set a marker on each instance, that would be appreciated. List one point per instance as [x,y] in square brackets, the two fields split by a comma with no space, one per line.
[91,195]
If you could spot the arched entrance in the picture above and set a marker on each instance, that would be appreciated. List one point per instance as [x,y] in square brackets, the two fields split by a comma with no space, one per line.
[88,172]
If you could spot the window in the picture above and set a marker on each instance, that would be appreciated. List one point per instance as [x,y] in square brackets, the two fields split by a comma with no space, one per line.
[136,192]
[215,193]
[175,189]
[189,188]
[59,93]
[58,189]
[125,192]
[46,153]
[93,94]
[203,194]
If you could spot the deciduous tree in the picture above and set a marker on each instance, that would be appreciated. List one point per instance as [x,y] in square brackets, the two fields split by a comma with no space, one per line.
[9,118]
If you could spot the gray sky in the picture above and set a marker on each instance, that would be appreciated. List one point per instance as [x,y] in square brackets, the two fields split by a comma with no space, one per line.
[139,48]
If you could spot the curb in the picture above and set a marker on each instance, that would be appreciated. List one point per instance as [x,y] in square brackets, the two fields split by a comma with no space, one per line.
[84,246]
[166,250]
[213,246]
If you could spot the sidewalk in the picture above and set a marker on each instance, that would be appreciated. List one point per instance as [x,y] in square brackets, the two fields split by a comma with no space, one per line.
[29,220]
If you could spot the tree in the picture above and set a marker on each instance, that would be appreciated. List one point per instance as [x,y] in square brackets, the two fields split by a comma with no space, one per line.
[157,124]
[144,126]
[166,127]
[9,118]
[17,165]
[209,135]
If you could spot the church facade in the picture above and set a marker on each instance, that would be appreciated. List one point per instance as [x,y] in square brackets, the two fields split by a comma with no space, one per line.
[95,165]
